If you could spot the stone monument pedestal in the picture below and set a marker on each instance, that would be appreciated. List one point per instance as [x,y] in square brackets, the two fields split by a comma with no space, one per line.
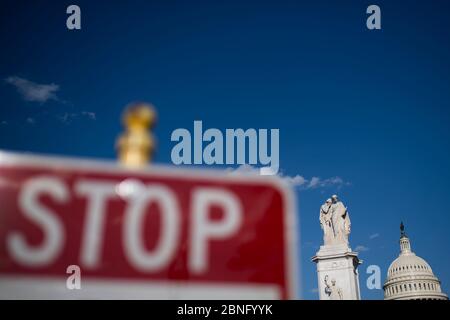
[337,273]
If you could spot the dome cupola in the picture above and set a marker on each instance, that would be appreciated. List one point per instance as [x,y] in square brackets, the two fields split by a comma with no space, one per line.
[411,277]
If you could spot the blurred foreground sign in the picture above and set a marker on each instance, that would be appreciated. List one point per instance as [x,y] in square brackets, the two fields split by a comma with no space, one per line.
[155,233]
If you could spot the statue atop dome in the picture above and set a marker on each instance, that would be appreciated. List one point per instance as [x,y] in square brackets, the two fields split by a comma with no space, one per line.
[402,230]
[335,222]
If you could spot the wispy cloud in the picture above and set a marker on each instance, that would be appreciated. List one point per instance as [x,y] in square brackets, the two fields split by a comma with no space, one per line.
[361,248]
[317,182]
[90,115]
[32,91]
[298,181]
[314,183]
[295,181]
[30,120]
[314,290]
[373,236]
[243,169]
[68,117]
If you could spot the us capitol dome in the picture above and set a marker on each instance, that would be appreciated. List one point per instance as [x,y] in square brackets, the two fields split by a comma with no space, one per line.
[410,277]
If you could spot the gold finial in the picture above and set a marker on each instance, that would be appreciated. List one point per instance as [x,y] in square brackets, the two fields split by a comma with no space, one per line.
[136,145]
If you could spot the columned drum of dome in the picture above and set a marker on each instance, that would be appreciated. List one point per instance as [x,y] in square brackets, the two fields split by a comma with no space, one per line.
[410,277]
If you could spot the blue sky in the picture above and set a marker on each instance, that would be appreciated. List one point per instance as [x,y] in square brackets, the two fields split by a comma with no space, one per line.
[369,107]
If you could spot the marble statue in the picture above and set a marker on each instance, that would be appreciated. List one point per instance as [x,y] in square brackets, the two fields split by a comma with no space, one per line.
[337,264]
[333,291]
[326,223]
[335,222]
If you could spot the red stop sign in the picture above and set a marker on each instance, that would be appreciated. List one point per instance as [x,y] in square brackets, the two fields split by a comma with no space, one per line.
[155,233]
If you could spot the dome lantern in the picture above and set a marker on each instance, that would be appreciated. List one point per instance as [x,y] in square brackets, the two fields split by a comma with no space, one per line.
[405,245]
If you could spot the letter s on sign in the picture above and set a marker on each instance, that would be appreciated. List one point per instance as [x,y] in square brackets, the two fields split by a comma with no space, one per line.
[52,228]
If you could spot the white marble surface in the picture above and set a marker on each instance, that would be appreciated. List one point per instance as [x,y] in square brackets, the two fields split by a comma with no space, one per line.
[337,273]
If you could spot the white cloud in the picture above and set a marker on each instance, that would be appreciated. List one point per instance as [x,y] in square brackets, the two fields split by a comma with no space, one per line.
[90,115]
[31,91]
[243,169]
[361,248]
[68,117]
[294,181]
[314,183]
[31,120]
[314,290]
[317,182]
[373,236]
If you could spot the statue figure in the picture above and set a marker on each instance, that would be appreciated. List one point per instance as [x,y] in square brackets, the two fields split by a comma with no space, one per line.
[326,223]
[333,291]
[335,222]
[341,220]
